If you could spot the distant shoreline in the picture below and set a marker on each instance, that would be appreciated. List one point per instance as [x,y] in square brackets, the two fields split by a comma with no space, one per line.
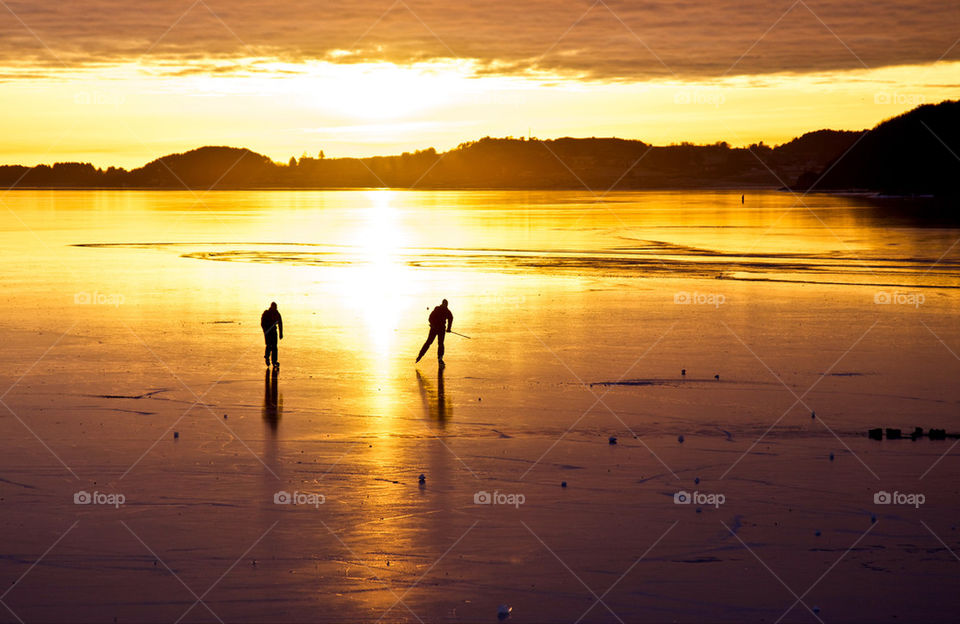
[393,188]
[861,193]
[598,164]
[908,156]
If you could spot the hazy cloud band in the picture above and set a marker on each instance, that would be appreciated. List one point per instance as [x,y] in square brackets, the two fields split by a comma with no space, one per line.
[611,39]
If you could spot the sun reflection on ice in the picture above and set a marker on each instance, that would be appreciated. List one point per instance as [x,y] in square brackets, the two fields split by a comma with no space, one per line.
[378,285]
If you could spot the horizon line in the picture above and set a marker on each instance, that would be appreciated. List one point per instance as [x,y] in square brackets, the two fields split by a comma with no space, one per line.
[285,163]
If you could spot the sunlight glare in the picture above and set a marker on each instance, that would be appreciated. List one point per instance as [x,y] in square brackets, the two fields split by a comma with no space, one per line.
[379,283]
[386,91]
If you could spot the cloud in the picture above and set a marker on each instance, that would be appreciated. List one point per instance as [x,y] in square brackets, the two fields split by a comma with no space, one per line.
[608,40]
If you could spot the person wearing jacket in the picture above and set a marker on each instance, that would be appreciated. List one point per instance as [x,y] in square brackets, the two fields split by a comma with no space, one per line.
[441,322]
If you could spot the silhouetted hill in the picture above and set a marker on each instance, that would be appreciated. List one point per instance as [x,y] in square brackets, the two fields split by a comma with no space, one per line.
[597,163]
[902,155]
[207,167]
[806,153]
[913,154]
[70,174]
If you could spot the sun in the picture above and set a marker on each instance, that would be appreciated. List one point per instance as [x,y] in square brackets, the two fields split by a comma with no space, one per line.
[384,91]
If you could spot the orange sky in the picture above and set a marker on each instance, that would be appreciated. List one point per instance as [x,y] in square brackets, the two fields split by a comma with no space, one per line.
[118,83]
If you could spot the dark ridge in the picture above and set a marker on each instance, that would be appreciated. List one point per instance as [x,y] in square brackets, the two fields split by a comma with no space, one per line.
[917,153]
[913,154]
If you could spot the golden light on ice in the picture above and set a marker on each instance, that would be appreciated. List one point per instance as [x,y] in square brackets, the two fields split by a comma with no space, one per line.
[380,282]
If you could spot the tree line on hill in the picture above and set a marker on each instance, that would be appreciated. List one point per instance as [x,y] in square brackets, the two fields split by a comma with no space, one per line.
[915,153]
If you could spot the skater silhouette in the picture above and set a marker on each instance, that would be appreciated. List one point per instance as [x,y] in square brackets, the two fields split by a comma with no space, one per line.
[272,404]
[439,318]
[272,325]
